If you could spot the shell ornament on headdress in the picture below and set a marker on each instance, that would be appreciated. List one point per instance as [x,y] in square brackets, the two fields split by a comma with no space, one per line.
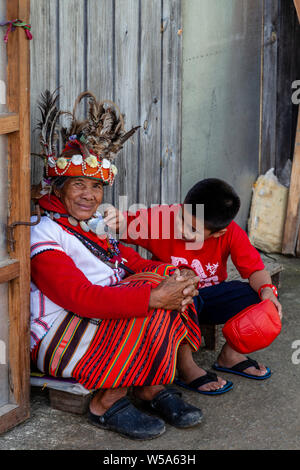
[89,146]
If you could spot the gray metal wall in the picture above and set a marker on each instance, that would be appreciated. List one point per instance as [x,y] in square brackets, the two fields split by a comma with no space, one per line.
[221,93]
[128,51]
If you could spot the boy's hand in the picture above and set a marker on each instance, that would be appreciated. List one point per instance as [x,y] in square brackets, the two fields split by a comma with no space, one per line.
[267,293]
[260,278]
[115,220]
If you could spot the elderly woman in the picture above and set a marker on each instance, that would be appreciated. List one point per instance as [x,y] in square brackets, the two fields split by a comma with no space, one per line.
[101,314]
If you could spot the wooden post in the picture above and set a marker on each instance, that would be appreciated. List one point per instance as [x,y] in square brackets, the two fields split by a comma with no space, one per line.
[171,151]
[293,210]
[18,74]
[269,64]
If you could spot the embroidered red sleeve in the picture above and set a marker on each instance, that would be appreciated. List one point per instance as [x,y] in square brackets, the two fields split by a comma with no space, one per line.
[56,275]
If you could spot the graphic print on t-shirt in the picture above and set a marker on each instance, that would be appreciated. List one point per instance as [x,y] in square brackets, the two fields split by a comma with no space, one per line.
[205,279]
[212,268]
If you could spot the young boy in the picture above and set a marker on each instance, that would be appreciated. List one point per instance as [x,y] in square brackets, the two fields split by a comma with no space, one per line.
[218,299]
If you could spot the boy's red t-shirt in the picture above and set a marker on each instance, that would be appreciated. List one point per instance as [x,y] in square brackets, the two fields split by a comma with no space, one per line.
[144,228]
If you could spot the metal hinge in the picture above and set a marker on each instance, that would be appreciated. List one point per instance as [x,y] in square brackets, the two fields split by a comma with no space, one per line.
[10,228]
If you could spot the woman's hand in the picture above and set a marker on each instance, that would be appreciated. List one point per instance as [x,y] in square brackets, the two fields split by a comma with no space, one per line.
[115,220]
[187,273]
[174,293]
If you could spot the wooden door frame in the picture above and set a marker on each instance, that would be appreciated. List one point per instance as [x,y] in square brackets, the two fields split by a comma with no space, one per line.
[16,124]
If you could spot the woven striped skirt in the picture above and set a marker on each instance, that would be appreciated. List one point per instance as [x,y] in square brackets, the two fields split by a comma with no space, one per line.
[118,353]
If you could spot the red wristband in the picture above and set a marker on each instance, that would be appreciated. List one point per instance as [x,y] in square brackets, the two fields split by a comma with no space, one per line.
[274,289]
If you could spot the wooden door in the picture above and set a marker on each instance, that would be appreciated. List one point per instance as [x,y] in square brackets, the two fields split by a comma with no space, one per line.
[14,207]
[128,51]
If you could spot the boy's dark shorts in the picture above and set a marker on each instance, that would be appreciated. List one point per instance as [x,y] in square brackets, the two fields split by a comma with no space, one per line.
[216,304]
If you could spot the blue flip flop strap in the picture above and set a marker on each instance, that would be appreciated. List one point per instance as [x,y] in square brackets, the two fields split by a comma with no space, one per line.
[205,379]
[241,366]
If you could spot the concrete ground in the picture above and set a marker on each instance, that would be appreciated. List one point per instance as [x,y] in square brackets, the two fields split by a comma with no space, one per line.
[254,415]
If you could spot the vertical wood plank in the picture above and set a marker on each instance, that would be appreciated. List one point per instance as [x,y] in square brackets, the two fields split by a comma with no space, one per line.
[100,48]
[43,63]
[100,56]
[19,199]
[72,53]
[115,51]
[269,85]
[171,103]
[150,90]
[3,59]
[127,94]
[292,223]
[287,71]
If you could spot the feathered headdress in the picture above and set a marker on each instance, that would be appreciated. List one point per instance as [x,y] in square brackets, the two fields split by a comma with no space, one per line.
[89,146]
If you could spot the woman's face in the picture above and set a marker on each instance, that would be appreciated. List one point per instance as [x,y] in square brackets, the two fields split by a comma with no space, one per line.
[81,197]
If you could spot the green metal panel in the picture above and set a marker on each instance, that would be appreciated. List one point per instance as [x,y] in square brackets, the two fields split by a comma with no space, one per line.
[221,93]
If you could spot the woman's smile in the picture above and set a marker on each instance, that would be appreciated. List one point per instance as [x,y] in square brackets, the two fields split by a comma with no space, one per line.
[84,207]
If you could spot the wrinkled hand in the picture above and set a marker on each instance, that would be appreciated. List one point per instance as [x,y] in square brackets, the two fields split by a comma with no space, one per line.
[115,220]
[174,293]
[187,273]
[267,293]
[190,291]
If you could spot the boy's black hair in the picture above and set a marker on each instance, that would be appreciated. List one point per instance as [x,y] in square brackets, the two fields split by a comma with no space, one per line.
[221,203]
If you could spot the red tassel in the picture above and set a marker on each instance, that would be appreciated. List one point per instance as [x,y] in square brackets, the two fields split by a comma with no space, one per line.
[12,26]
[9,28]
[28,34]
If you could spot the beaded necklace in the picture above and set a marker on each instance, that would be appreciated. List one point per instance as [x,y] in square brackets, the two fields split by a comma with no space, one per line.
[112,256]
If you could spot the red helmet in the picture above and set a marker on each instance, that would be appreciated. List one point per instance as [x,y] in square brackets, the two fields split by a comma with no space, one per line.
[253,328]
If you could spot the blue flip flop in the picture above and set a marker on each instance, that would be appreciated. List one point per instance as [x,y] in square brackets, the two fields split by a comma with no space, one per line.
[239,368]
[208,377]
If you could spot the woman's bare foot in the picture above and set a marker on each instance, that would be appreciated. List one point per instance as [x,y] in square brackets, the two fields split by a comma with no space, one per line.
[229,358]
[147,392]
[188,370]
[104,399]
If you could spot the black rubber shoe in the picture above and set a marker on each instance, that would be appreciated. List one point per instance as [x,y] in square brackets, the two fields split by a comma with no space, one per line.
[174,410]
[128,421]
